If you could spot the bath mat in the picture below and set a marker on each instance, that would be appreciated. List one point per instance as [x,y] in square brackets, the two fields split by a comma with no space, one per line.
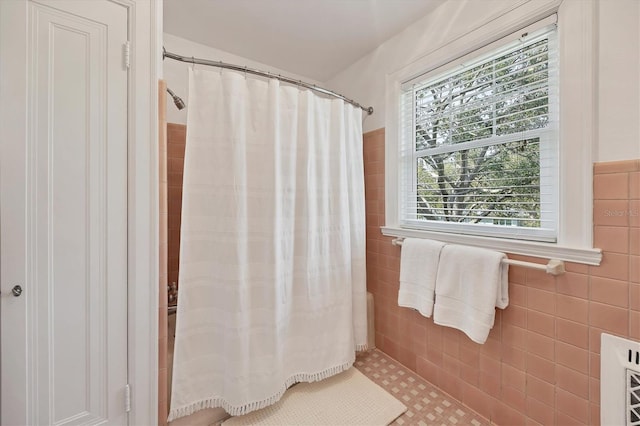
[347,398]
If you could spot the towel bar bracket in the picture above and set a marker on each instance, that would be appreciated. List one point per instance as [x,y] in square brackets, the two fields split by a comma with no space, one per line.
[553,267]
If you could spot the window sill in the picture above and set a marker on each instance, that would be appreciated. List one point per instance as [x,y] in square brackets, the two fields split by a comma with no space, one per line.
[587,256]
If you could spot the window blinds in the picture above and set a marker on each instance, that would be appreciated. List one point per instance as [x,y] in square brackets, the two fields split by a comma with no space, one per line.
[479,144]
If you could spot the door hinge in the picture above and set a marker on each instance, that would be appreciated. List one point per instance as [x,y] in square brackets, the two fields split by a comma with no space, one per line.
[127,398]
[126,49]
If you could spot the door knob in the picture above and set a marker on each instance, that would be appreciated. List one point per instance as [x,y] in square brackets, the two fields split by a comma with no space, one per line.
[16,291]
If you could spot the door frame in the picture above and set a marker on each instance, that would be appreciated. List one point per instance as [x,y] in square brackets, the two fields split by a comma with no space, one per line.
[145,36]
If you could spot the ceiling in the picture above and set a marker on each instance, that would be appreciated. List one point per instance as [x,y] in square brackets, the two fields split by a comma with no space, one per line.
[312,38]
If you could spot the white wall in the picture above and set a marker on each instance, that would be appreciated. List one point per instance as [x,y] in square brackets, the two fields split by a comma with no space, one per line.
[176,73]
[618,81]
[617,67]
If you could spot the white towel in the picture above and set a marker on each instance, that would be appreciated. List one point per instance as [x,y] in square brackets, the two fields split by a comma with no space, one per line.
[471,283]
[418,268]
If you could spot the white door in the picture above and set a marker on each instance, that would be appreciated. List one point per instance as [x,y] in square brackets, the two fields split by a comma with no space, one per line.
[63,212]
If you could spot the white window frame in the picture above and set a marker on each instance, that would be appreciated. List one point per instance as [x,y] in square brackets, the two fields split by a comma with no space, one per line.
[547,136]
[577,132]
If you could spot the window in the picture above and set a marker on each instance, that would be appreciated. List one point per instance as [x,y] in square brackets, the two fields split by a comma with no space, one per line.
[479,144]
[564,137]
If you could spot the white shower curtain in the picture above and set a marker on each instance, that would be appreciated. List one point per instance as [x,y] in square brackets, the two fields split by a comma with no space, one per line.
[272,262]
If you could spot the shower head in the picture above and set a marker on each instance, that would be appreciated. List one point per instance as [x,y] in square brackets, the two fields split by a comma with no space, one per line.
[177,100]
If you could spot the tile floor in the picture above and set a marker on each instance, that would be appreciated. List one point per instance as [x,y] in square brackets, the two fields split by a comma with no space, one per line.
[426,404]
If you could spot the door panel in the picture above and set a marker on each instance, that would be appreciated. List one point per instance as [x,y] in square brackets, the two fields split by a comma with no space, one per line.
[74,211]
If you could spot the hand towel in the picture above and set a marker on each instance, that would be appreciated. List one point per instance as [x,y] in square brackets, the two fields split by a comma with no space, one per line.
[470,284]
[418,268]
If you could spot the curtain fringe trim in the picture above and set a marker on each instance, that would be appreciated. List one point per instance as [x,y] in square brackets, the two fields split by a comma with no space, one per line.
[235,410]
[362,347]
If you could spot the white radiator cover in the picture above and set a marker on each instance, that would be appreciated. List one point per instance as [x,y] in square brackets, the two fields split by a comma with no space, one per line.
[619,381]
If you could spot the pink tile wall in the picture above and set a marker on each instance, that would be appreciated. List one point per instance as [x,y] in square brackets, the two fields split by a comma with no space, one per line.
[541,363]
[176,139]
[171,159]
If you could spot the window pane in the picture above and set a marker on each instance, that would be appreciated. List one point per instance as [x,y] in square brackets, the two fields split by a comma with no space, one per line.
[500,96]
[496,184]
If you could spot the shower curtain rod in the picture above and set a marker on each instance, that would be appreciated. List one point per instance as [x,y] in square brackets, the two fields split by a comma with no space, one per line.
[220,64]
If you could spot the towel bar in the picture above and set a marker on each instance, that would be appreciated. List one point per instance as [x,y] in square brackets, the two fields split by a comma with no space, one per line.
[553,267]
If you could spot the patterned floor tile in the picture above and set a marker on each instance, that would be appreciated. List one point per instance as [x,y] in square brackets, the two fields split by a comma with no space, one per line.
[426,404]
